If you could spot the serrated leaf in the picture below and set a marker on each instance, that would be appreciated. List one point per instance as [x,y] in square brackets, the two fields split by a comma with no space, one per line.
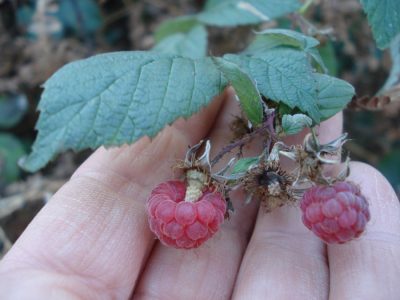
[12,108]
[272,38]
[333,95]
[116,98]
[242,12]
[243,164]
[384,19]
[191,44]
[283,75]
[11,149]
[246,90]
[293,124]
[177,25]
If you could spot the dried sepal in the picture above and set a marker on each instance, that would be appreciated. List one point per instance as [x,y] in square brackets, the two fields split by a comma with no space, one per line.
[269,183]
[311,158]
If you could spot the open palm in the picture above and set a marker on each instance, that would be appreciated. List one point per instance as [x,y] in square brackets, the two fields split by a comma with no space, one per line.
[92,240]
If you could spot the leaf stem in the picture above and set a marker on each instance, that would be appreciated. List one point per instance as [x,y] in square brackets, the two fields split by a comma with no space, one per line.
[315,137]
[263,129]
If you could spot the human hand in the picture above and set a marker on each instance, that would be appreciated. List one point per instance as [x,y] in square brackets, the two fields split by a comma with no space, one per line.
[92,240]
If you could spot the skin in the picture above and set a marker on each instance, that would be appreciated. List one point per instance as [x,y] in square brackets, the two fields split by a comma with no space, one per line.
[92,240]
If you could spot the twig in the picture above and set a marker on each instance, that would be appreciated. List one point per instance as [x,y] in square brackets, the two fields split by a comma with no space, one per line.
[264,128]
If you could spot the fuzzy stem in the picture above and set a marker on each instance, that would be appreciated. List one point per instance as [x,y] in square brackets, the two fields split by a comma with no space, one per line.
[264,128]
[315,138]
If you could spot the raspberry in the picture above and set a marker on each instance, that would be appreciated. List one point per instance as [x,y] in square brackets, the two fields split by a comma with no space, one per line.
[337,213]
[184,224]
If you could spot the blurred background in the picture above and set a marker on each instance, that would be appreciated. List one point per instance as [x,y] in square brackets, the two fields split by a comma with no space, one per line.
[37,37]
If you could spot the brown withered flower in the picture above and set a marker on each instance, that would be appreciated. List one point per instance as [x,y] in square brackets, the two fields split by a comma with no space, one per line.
[312,159]
[269,183]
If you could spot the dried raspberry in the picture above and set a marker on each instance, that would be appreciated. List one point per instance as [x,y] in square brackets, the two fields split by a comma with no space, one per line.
[337,213]
[183,224]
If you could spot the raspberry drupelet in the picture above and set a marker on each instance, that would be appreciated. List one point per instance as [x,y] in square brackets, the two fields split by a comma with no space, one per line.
[182,218]
[337,213]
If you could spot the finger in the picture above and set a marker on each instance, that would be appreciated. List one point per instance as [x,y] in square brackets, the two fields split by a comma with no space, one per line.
[283,259]
[207,272]
[91,240]
[369,267]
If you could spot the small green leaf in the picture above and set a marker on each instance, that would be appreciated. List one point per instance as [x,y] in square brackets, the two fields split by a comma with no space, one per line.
[245,89]
[272,38]
[384,19]
[178,25]
[242,12]
[295,124]
[11,150]
[283,75]
[333,95]
[243,164]
[116,98]
[12,108]
[191,44]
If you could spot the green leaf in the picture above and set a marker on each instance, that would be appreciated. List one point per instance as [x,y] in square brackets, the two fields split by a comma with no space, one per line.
[243,12]
[243,164]
[12,108]
[246,90]
[192,44]
[333,95]
[283,75]
[327,53]
[178,25]
[11,150]
[384,19]
[272,38]
[116,98]
[293,124]
[394,77]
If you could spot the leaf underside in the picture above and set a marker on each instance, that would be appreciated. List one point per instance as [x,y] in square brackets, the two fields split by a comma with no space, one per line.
[293,124]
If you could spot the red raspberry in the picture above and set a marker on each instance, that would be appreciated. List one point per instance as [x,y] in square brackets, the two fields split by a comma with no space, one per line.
[337,213]
[183,224]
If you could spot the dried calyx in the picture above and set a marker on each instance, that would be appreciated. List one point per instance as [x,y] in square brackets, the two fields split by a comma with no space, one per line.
[268,182]
[312,157]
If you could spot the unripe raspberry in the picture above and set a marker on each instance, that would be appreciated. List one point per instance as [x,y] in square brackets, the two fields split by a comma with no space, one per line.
[184,224]
[337,213]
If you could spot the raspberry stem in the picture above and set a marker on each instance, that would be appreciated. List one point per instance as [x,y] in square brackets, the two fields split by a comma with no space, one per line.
[265,128]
